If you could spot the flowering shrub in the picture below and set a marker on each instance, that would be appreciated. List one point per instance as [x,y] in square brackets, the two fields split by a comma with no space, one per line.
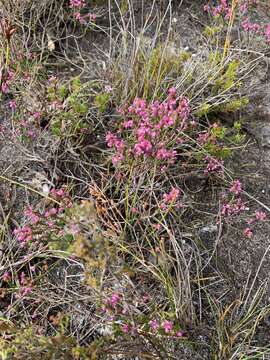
[46,226]
[78,6]
[242,8]
[161,133]
[126,318]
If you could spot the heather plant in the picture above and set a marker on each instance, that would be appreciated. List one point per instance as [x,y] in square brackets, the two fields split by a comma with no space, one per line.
[118,265]
[67,107]
[46,226]
[242,12]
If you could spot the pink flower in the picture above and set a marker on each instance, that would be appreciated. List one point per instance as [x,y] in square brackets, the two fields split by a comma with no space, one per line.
[12,104]
[143,147]
[184,109]
[236,187]
[172,91]
[213,166]
[248,232]
[108,89]
[233,208]
[260,215]
[128,124]
[114,299]
[77,3]
[78,17]
[92,17]
[24,234]
[180,334]
[110,139]
[249,26]
[172,196]
[5,88]
[33,217]
[165,154]
[165,122]
[125,328]
[154,325]
[202,137]
[167,326]
[267,33]
[117,158]
[6,276]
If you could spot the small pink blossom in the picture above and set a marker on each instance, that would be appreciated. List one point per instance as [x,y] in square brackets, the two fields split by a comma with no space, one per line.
[180,334]
[260,215]
[167,326]
[154,325]
[233,208]
[77,3]
[6,276]
[172,196]
[248,232]
[250,27]
[92,17]
[213,166]
[5,88]
[108,89]
[128,124]
[12,104]
[143,147]
[236,187]
[114,300]
[267,33]
[125,328]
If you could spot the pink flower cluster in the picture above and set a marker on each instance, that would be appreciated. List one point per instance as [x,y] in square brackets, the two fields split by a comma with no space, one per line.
[251,27]
[118,144]
[170,198]
[24,234]
[12,104]
[213,166]
[267,33]
[84,19]
[236,187]
[167,326]
[77,4]
[113,300]
[223,8]
[45,220]
[235,207]
[258,217]
[150,129]
[25,286]
[130,322]
[8,80]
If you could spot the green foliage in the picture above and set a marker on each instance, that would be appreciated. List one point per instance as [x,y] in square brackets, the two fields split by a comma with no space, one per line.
[228,79]
[102,101]
[211,31]
[71,119]
[25,343]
